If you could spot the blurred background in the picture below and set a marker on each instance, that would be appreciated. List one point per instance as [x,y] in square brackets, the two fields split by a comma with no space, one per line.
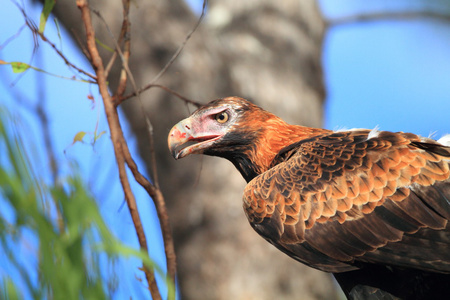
[317,63]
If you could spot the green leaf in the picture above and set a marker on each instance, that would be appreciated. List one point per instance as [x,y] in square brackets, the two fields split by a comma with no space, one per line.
[79,137]
[19,67]
[107,48]
[97,136]
[48,6]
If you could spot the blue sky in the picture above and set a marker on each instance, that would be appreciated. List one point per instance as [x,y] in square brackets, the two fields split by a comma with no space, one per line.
[393,74]
[389,76]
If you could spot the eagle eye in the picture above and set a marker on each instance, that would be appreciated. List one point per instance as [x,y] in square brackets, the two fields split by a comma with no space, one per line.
[222,117]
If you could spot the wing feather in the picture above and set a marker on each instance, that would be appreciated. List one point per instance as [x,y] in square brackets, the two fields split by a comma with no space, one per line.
[341,198]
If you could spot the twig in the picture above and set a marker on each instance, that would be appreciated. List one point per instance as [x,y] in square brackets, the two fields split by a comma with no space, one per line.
[36,32]
[66,61]
[175,55]
[117,138]
[125,56]
[395,15]
[124,33]
[148,86]
[80,44]
[13,37]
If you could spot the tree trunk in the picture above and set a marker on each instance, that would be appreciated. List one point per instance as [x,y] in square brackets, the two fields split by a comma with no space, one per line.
[266,51]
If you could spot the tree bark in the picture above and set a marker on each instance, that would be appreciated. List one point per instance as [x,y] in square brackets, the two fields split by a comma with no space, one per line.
[266,51]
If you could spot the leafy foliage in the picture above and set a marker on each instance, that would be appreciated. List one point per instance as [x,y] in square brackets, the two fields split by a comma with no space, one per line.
[52,234]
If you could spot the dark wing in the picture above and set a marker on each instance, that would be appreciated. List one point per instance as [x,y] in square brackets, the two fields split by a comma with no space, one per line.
[336,201]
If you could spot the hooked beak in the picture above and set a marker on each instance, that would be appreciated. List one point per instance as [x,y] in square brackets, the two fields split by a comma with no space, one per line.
[184,133]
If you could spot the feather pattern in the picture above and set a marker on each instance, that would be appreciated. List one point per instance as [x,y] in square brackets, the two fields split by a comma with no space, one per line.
[354,195]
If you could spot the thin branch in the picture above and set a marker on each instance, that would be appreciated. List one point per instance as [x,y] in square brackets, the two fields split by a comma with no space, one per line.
[36,32]
[148,86]
[161,210]
[152,189]
[125,56]
[152,151]
[13,37]
[380,16]
[66,61]
[124,33]
[133,83]
[81,45]
[177,53]
[117,138]
[110,63]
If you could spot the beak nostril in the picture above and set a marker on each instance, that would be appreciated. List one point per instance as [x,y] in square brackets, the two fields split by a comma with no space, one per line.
[187,127]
